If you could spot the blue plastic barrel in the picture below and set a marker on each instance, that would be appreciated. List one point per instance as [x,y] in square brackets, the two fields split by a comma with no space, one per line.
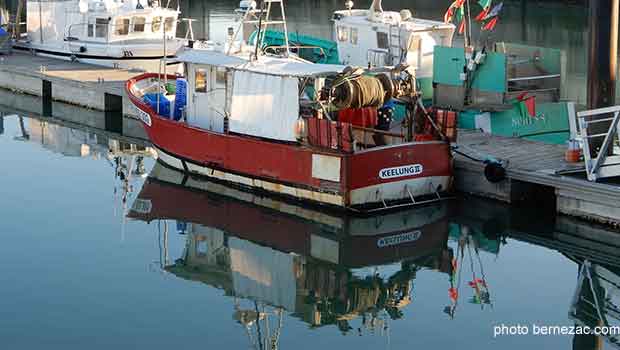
[164,103]
[181,98]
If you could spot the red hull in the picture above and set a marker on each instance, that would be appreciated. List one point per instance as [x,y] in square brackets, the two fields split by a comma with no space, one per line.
[289,233]
[293,169]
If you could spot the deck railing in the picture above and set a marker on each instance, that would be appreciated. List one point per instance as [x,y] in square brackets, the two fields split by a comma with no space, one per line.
[346,137]
[602,123]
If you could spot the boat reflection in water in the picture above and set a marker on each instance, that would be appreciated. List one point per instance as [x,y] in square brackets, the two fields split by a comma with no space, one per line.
[274,257]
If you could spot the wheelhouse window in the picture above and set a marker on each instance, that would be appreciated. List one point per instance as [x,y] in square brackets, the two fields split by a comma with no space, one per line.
[101,27]
[122,26]
[382,40]
[138,24]
[343,33]
[353,38]
[169,24]
[156,25]
[220,77]
[200,80]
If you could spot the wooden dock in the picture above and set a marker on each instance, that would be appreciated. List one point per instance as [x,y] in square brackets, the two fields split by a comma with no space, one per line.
[76,83]
[534,170]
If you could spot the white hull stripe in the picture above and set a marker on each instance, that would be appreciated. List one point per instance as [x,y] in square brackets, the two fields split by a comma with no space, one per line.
[327,198]
[399,190]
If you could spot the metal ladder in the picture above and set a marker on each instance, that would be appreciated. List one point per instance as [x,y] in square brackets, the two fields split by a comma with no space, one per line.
[605,163]
[261,17]
[395,50]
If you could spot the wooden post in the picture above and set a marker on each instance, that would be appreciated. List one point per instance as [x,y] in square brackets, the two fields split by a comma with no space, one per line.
[602,59]
[603,52]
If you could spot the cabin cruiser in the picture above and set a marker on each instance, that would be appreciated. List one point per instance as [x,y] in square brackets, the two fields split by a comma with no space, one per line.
[129,34]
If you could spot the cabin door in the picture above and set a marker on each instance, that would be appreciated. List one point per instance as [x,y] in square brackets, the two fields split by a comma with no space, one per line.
[208,99]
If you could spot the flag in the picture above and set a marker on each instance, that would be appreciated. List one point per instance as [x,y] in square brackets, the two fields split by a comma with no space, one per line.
[482,14]
[484,3]
[456,13]
[456,8]
[490,19]
[495,11]
[447,17]
[486,7]
[490,25]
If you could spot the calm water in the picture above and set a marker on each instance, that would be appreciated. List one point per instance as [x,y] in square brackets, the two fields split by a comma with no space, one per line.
[102,247]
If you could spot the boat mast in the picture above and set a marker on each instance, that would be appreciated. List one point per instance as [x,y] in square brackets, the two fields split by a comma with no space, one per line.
[40,22]
[266,11]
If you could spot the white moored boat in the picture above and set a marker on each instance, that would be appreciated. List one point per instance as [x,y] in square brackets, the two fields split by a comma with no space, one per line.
[131,34]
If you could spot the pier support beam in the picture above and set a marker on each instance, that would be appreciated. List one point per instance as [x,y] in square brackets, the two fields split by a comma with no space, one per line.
[46,98]
[113,113]
[602,60]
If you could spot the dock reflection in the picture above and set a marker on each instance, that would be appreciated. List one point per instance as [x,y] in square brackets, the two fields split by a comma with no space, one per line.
[358,273]
[322,268]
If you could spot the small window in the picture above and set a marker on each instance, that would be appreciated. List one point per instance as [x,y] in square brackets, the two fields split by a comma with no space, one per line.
[169,24]
[156,25]
[354,36]
[220,76]
[138,24]
[201,80]
[382,40]
[101,28]
[343,33]
[122,26]
[91,30]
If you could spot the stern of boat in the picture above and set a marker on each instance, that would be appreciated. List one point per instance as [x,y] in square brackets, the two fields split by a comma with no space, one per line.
[399,175]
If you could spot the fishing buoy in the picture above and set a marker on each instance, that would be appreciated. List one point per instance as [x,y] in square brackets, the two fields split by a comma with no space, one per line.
[494,172]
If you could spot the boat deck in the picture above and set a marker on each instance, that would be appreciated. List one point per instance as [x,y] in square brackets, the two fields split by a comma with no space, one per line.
[530,167]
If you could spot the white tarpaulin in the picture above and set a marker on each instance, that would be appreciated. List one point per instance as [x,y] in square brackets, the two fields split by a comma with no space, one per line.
[264,105]
[262,273]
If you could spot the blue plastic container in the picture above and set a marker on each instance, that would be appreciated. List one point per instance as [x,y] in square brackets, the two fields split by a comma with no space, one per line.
[181,98]
[164,103]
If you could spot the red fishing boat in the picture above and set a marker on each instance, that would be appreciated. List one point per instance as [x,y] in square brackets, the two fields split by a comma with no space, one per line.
[322,133]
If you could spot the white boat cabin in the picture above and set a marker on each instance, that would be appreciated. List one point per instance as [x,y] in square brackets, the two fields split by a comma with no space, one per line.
[82,26]
[259,98]
[101,21]
[380,38]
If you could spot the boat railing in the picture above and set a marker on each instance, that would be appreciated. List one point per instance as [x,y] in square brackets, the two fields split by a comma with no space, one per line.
[346,137]
[378,57]
[296,49]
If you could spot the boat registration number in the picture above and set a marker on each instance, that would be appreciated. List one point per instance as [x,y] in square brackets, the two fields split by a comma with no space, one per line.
[398,239]
[401,171]
[144,117]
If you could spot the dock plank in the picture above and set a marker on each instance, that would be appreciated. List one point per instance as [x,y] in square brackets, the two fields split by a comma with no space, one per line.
[537,163]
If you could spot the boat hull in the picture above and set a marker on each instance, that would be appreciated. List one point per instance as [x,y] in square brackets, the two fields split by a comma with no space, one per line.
[380,177]
[136,57]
